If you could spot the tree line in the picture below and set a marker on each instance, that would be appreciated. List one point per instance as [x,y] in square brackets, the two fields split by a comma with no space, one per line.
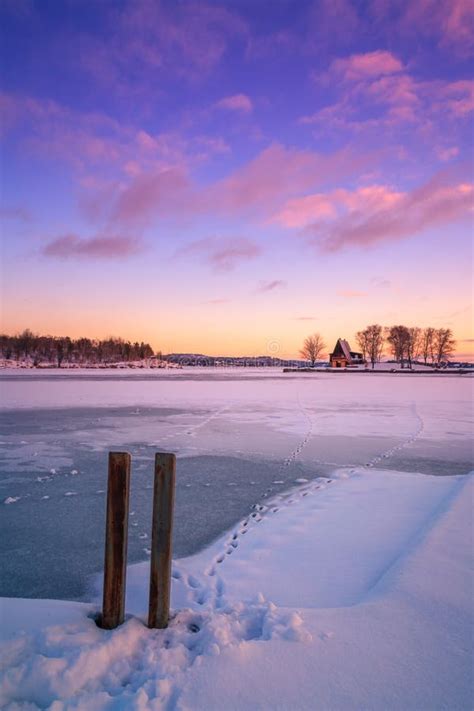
[58,350]
[406,343]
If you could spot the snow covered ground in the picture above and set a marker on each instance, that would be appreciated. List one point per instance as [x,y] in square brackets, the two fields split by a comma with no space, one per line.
[334,571]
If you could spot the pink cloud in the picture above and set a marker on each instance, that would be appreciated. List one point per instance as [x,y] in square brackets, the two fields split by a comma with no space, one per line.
[255,189]
[277,173]
[320,207]
[161,193]
[147,38]
[223,254]
[363,66]
[99,147]
[400,90]
[393,216]
[238,102]
[451,22]
[381,104]
[98,247]
[459,97]
[300,211]
[271,285]
[375,93]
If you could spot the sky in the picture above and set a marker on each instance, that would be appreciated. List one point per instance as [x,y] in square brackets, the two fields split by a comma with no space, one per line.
[227,177]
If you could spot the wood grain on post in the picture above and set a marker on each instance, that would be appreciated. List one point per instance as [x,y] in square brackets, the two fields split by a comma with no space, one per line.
[116,536]
[162,528]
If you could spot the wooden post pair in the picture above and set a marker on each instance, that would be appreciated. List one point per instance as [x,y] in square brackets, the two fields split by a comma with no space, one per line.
[116,535]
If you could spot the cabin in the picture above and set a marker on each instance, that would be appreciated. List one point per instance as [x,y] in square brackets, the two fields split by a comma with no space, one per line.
[342,356]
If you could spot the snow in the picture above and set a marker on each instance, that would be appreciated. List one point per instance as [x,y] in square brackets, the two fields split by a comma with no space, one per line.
[323,542]
[354,594]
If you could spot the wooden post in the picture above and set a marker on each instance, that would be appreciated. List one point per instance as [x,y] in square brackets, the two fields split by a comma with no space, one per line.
[160,570]
[116,535]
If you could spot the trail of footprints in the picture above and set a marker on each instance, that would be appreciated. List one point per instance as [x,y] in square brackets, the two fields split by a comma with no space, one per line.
[210,590]
[297,451]
[412,438]
[204,593]
[212,593]
[191,430]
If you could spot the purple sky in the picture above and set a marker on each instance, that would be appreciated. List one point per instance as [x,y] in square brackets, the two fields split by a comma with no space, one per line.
[227,177]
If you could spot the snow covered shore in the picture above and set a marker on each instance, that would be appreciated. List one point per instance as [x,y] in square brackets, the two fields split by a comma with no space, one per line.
[351,592]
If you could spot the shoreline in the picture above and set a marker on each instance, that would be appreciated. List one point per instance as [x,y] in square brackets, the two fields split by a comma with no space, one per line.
[384,371]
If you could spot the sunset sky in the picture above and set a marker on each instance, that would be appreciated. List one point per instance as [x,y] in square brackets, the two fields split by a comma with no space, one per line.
[227,177]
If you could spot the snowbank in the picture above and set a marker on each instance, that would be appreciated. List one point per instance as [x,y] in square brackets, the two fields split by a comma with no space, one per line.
[350,593]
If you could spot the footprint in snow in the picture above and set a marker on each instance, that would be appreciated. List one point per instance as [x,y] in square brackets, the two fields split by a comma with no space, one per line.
[203,596]
[193,582]
[220,587]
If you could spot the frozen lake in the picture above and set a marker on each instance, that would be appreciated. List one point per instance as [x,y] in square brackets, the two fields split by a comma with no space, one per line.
[241,436]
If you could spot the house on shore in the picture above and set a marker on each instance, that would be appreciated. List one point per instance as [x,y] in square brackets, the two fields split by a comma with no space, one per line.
[342,356]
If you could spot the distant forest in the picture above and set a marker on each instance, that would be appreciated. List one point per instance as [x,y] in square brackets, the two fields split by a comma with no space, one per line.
[56,350]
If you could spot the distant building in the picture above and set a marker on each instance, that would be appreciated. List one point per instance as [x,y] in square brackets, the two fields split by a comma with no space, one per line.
[342,355]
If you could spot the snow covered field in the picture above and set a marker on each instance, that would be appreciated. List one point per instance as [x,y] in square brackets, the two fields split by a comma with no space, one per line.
[323,535]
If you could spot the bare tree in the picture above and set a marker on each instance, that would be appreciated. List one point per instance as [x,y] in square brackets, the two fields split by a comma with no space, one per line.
[398,337]
[426,343]
[312,347]
[413,344]
[363,342]
[375,341]
[443,344]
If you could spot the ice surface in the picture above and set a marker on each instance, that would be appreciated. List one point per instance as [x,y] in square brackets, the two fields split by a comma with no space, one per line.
[240,436]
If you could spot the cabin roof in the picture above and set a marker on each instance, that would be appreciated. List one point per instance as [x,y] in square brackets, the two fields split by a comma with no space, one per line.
[346,349]
[343,349]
